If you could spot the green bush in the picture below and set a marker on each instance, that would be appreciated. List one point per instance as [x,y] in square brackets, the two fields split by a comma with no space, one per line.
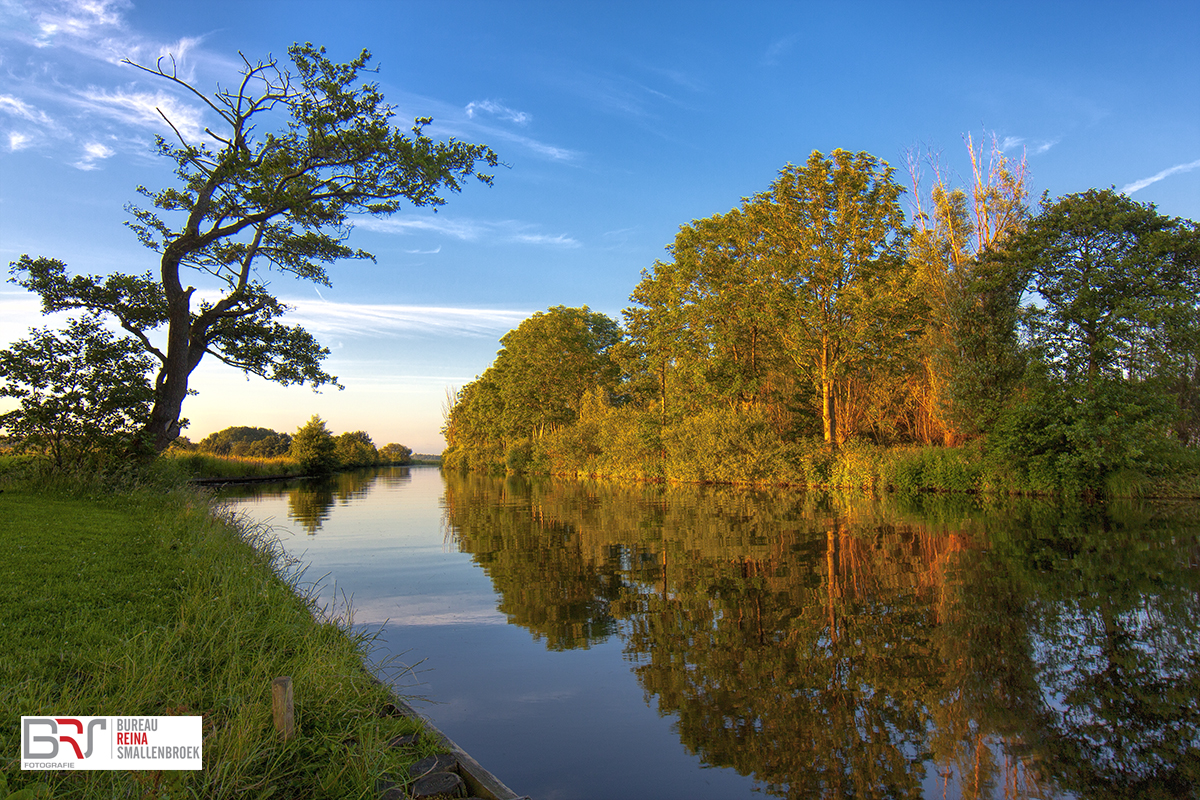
[314,448]
[519,456]
[355,449]
[857,465]
[723,445]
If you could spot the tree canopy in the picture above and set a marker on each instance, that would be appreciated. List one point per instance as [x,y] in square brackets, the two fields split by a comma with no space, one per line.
[786,299]
[536,384]
[80,391]
[1114,335]
[1064,347]
[833,232]
[245,440]
[246,199]
[355,449]
[314,447]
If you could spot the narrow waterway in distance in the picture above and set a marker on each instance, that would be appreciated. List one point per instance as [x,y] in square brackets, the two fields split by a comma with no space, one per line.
[589,640]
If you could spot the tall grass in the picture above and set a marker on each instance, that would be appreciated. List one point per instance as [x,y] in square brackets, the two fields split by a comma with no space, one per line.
[146,600]
[208,465]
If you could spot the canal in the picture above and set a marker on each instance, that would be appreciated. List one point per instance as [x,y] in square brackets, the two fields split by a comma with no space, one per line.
[603,640]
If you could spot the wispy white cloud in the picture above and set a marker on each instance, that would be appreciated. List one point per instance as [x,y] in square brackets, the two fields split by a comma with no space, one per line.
[434,251]
[1034,146]
[367,319]
[541,148]
[19,108]
[93,153]
[677,77]
[78,18]
[498,231]
[1169,171]
[94,28]
[471,124]
[62,37]
[497,109]
[561,240]
[179,50]
[18,141]
[466,230]
[142,109]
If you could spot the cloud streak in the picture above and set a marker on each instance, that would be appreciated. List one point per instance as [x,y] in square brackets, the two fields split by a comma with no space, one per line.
[1036,147]
[369,319]
[498,109]
[777,49]
[20,311]
[142,109]
[19,108]
[1166,173]
[468,230]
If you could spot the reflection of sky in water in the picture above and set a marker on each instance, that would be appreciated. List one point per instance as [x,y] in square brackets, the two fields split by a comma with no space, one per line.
[390,553]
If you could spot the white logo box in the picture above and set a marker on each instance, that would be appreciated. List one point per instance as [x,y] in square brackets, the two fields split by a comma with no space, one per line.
[54,743]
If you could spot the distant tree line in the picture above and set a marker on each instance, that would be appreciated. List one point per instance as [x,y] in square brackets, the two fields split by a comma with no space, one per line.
[1060,347]
[313,446]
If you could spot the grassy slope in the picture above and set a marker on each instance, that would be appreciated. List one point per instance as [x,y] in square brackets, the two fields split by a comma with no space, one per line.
[144,603]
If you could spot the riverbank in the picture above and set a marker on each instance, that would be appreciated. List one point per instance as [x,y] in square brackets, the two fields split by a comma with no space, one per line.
[137,597]
[730,449]
[207,468]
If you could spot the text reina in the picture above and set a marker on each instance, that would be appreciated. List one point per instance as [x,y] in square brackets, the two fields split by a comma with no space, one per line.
[131,737]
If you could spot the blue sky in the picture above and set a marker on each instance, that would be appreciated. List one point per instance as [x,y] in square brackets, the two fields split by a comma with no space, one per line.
[618,122]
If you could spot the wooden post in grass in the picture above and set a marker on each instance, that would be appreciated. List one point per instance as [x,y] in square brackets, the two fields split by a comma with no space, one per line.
[281,707]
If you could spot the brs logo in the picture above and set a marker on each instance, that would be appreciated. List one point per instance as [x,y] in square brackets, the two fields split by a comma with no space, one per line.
[71,732]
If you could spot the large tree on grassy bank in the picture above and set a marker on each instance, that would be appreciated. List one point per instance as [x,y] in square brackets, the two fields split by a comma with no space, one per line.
[246,200]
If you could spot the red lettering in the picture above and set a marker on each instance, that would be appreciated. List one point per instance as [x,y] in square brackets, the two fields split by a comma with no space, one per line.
[73,743]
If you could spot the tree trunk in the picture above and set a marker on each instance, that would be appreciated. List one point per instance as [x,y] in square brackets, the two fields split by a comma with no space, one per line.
[828,411]
[171,386]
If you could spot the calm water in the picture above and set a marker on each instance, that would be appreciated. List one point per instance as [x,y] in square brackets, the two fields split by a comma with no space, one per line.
[596,640]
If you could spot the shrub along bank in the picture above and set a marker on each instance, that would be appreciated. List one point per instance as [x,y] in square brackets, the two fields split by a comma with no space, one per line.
[127,595]
[725,446]
[245,452]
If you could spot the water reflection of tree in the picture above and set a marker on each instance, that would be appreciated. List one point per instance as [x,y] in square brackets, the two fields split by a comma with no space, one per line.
[544,582]
[311,502]
[1117,644]
[852,649]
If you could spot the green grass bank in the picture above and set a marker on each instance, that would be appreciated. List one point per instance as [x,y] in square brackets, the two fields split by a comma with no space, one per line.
[134,596]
